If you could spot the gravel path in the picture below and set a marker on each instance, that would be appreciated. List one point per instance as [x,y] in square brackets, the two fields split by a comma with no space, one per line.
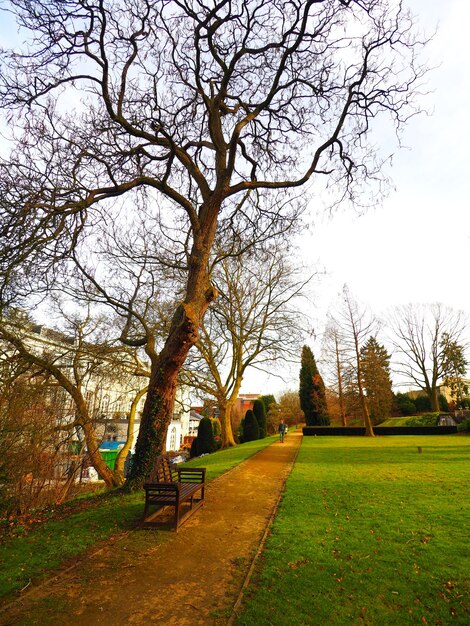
[189,578]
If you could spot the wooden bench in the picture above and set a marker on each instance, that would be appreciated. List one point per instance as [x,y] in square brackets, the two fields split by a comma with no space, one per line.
[176,487]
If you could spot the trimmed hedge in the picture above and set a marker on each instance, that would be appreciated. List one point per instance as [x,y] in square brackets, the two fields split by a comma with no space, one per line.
[350,431]
[250,427]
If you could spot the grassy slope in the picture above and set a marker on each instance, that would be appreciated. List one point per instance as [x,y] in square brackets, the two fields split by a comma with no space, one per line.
[56,541]
[409,420]
[369,532]
[397,421]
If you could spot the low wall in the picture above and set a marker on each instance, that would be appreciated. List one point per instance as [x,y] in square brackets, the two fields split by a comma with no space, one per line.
[350,431]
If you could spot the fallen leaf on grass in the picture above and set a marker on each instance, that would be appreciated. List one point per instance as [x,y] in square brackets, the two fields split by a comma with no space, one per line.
[297,564]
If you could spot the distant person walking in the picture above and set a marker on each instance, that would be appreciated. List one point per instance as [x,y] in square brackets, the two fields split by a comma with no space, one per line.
[282,429]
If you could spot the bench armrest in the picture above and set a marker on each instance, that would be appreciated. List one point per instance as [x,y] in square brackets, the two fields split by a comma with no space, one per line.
[191,474]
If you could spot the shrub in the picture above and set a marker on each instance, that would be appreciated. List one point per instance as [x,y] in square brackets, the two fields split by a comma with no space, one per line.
[464,427]
[429,419]
[422,404]
[217,432]
[250,427]
[193,450]
[267,400]
[260,414]
[240,431]
[443,404]
[204,442]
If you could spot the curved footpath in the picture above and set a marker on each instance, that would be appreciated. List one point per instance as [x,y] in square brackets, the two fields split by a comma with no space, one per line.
[189,578]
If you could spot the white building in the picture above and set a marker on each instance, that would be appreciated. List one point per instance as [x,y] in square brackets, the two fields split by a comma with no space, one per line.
[109,393]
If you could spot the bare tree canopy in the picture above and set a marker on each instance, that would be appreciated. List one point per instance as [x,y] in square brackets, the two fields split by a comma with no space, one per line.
[353,325]
[74,360]
[254,322]
[206,106]
[423,335]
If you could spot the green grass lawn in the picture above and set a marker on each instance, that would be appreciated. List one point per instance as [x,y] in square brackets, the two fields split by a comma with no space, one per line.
[370,532]
[66,536]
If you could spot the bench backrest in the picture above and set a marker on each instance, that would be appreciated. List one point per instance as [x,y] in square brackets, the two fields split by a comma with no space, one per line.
[163,471]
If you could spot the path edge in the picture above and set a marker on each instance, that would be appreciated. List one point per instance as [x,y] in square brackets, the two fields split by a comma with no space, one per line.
[263,540]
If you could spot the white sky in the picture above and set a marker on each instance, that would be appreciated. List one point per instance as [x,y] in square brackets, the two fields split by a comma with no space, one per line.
[415,247]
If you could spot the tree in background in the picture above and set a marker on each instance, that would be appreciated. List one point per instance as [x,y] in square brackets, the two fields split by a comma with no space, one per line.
[191,113]
[260,414]
[71,361]
[333,354]
[455,367]
[312,391]
[429,346]
[37,451]
[246,326]
[289,408]
[403,405]
[267,400]
[250,427]
[375,365]
[354,325]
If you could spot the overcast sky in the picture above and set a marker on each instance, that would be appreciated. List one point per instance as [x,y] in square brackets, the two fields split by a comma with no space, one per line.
[415,247]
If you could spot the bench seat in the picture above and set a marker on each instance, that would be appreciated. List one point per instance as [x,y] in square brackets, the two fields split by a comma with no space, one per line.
[181,489]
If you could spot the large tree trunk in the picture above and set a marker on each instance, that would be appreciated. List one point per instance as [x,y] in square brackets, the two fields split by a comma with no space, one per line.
[435,399]
[184,330]
[365,414]
[94,454]
[225,410]
[122,455]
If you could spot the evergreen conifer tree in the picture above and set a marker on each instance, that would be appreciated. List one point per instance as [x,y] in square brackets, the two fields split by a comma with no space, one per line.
[375,365]
[193,450]
[260,414]
[312,391]
[250,427]
[205,437]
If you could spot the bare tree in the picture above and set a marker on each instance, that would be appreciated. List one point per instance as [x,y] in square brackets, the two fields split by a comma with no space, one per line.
[355,325]
[289,409]
[72,362]
[36,454]
[332,355]
[254,322]
[422,335]
[206,106]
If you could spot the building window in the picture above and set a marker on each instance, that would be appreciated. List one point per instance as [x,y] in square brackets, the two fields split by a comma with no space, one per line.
[173,438]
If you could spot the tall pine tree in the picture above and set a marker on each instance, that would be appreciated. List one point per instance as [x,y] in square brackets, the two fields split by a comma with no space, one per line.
[375,365]
[312,391]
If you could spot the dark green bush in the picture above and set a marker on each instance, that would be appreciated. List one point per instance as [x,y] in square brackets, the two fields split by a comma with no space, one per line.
[464,427]
[204,442]
[443,404]
[422,404]
[250,427]
[260,414]
[267,400]
[193,450]
[428,419]
[217,432]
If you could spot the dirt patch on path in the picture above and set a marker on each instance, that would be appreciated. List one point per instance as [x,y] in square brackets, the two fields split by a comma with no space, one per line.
[186,579]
